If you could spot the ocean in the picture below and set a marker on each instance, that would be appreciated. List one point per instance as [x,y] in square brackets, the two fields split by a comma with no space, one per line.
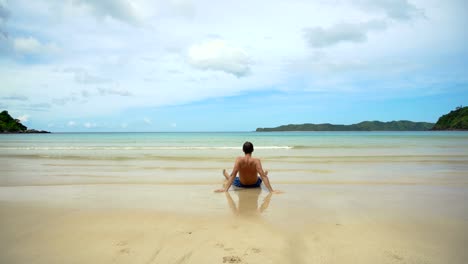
[198,158]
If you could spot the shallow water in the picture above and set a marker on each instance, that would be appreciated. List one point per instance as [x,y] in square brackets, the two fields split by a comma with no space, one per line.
[292,157]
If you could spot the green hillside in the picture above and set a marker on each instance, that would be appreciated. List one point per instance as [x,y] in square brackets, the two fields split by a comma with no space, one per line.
[455,120]
[402,125]
[10,125]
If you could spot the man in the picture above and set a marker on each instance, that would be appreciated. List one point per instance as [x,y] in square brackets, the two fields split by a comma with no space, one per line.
[248,169]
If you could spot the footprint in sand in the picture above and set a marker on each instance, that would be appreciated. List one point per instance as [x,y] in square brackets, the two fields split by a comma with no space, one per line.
[394,256]
[124,251]
[219,245]
[231,259]
[121,243]
[256,250]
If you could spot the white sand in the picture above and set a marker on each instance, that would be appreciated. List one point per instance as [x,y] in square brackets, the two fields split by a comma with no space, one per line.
[190,224]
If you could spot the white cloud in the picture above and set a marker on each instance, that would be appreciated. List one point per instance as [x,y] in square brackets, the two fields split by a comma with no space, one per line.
[89,125]
[123,125]
[105,56]
[4,12]
[64,100]
[31,46]
[85,93]
[4,15]
[83,77]
[147,120]
[319,37]
[173,125]
[123,10]
[71,123]
[15,98]
[217,55]
[111,91]
[23,118]
[27,45]
[184,8]
[395,9]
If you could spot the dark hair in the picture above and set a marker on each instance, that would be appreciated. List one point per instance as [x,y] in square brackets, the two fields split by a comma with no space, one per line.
[248,147]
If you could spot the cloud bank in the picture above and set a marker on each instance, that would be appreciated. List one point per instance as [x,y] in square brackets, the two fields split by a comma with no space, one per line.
[31,46]
[217,55]
[395,9]
[121,10]
[319,37]
[77,58]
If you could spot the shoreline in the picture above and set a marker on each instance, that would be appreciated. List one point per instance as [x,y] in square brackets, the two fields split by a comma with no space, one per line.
[33,131]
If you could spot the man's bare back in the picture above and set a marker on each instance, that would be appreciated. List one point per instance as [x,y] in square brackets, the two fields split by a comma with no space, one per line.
[248,168]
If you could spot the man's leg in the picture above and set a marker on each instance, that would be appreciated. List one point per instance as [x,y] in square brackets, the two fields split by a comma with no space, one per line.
[226,175]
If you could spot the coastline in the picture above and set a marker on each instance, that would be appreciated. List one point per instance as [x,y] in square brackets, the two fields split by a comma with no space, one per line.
[32,131]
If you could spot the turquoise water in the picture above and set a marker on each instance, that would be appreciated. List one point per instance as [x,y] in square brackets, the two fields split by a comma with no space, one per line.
[291,157]
[295,140]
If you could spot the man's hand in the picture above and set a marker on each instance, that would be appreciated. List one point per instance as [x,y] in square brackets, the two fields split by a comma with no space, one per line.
[219,190]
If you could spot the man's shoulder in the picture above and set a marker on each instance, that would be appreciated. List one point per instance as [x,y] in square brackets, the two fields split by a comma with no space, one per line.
[241,158]
[256,160]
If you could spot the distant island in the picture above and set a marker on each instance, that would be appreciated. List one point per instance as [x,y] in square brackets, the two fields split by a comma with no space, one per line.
[10,125]
[402,125]
[455,120]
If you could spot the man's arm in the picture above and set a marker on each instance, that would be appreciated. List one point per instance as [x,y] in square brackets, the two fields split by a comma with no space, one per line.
[230,180]
[264,177]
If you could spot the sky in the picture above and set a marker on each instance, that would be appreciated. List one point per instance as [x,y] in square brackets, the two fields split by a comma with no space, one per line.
[183,65]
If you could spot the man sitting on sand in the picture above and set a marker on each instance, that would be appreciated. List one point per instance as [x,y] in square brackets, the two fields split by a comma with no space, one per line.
[248,169]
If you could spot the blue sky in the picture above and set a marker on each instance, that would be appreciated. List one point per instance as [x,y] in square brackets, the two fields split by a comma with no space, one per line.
[183,65]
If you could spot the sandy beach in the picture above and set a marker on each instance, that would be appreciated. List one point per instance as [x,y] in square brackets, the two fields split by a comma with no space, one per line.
[402,201]
[337,225]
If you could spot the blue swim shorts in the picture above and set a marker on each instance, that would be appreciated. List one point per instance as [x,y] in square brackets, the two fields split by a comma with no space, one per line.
[237,183]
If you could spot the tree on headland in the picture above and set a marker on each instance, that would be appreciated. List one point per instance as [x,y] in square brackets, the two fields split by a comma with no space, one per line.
[455,120]
[9,124]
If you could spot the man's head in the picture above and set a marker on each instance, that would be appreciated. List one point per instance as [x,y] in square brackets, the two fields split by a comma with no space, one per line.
[248,147]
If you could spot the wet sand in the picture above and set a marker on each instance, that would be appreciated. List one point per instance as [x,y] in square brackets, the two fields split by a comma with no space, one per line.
[190,224]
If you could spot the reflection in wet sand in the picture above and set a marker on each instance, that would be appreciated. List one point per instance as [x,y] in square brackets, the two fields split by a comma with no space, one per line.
[247,205]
